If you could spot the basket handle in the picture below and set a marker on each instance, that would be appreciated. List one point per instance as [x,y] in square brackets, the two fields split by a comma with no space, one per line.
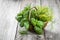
[30,13]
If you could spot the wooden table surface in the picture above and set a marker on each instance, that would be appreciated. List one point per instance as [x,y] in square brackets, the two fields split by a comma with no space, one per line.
[9,9]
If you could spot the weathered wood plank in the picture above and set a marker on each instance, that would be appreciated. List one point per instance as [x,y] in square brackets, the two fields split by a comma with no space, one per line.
[8,10]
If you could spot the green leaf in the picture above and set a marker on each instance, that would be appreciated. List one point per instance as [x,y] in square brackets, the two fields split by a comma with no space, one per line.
[44,13]
[26,24]
[23,32]
[33,21]
[18,18]
[40,24]
[26,8]
[21,24]
[38,30]
[22,21]
[25,15]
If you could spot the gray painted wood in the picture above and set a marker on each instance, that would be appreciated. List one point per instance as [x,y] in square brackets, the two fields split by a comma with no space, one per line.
[8,24]
[8,10]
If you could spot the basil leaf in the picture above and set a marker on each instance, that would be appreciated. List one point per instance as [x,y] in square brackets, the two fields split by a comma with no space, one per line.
[26,24]
[38,30]
[40,24]
[22,32]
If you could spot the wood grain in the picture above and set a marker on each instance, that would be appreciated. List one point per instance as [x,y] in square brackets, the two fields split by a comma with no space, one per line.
[8,10]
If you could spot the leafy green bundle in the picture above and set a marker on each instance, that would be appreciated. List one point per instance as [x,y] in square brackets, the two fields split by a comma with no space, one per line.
[36,16]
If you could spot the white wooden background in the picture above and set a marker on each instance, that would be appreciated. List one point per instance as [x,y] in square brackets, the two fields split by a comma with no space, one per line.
[9,9]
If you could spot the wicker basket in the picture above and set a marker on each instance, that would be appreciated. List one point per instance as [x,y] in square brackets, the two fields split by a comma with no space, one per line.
[31,27]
